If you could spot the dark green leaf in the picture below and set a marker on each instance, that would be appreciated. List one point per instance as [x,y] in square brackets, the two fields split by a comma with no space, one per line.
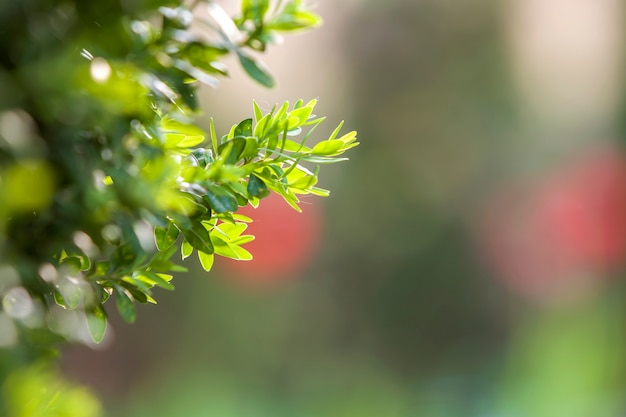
[198,237]
[58,299]
[125,306]
[233,150]
[257,188]
[137,294]
[244,128]
[220,199]
[124,256]
[255,69]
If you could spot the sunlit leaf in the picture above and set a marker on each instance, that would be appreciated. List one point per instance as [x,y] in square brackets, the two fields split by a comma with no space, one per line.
[327,147]
[206,260]
[186,249]
[157,279]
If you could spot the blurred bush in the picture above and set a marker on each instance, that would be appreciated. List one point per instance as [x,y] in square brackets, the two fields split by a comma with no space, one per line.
[471,263]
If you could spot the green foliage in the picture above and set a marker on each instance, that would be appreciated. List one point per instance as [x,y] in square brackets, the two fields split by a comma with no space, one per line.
[104,173]
[38,391]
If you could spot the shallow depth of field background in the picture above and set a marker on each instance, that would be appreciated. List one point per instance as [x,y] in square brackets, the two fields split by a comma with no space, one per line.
[470,260]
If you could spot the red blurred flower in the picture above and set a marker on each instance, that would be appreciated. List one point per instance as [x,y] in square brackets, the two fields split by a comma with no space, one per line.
[563,233]
[285,241]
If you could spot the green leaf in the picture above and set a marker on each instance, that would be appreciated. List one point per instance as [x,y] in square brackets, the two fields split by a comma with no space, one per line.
[125,306]
[220,199]
[165,236]
[213,135]
[263,125]
[160,280]
[97,323]
[300,116]
[229,250]
[222,248]
[198,237]
[58,299]
[258,114]
[141,295]
[242,254]
[244,128]
[251,149]
[186,249]
[124,256]
[242,240]
[206,260]
[293,19]
[178,140]
[240,190]
[336,131]
[70,294]
[328,147]
[233,150]
[293,146]
[180,135]
[254,9]
[255,69]
[304,183]
[73,263]
[257,188]
[199,74]
[231,230]
[272,144]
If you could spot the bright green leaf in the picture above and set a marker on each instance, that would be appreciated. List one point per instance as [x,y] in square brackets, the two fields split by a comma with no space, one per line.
[206,260]
[186,249]
[242,254]
[327,147]
[158,279]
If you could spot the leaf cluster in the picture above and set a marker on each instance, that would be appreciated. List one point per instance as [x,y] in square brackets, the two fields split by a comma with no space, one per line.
[105,175]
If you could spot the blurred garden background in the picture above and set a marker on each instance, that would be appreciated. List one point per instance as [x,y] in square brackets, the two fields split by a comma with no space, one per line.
[470,261]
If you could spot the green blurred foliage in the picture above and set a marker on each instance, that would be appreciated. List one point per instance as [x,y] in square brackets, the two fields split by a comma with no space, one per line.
[398,315]
[38,391]
[105,176]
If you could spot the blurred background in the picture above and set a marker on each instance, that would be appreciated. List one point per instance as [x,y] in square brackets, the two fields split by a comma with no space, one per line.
[470,259]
